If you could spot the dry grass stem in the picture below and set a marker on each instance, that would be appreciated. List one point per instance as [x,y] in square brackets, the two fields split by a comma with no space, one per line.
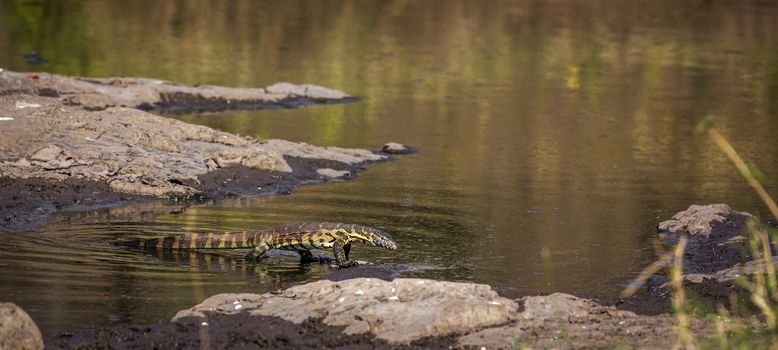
[685,338]
[644,275]
[741,166]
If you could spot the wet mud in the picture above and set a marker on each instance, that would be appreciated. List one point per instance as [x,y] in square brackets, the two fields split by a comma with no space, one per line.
[239,331]
[308,315]
[27,203]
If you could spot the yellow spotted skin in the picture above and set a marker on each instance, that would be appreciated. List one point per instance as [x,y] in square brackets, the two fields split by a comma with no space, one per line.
[300,237]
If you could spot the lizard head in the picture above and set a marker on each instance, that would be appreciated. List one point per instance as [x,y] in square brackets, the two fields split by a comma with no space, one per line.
[371,236]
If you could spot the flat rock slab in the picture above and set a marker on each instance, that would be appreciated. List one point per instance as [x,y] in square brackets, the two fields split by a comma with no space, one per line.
[399,311]
[82,130]
[134,151]
[101,93]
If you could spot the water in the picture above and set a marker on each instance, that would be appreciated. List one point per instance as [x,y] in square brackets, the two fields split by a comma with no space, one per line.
[554,136]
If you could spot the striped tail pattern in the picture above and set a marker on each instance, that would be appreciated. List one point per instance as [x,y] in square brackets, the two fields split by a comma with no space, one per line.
[225,240]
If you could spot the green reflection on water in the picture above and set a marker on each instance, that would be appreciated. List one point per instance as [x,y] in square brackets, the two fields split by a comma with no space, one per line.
[555,135]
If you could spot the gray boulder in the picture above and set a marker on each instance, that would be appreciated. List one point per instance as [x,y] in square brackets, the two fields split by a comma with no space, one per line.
[399,311]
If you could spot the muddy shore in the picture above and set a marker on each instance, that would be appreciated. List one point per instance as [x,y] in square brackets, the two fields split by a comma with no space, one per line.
[352,312]
[71,144]
[81,143]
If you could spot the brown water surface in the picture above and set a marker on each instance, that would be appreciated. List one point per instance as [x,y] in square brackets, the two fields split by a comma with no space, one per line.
[554,136]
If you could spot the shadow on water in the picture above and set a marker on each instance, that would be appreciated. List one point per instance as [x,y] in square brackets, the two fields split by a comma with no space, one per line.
[554,136]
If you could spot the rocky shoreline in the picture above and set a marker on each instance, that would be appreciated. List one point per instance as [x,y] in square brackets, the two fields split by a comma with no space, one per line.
[407,313]
[80,143]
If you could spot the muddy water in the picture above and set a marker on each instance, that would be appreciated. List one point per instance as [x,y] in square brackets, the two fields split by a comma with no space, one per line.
[554,136]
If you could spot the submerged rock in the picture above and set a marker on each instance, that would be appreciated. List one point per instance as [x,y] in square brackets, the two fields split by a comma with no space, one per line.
[17,329]
[35,58]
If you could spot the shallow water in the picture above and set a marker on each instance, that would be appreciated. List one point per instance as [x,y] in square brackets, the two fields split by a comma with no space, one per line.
[554,136]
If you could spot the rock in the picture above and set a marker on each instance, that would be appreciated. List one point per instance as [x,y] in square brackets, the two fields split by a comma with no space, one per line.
[226,303]
[140,153]
[92,102]
[564,321]
[717,251]
[17,329]
[252,158]
[98,93]
[399,311]
[704,220]
[717,236]
[307,90]
[35,58]
[303,150]
[397,148]
[408,313]
[566,307]
[493,338]
[53,157]
[48,153]
[729,275]
[59,128]
[332,173]
[24,104]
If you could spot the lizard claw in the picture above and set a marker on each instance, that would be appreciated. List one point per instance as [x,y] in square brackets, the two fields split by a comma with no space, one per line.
[250,258]
[344,265]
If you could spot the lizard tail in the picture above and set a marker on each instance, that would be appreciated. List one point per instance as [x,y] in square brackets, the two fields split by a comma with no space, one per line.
[223,240]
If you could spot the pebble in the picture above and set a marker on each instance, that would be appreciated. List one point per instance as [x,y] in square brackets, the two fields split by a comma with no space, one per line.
[397,148]
[23,105]
[332,173]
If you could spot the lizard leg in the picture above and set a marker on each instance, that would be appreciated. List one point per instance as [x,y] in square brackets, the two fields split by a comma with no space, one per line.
[305,256]
[255,253]
[347,249]
[340,256]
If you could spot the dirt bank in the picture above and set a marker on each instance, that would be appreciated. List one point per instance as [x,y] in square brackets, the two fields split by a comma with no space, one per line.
[74,143]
